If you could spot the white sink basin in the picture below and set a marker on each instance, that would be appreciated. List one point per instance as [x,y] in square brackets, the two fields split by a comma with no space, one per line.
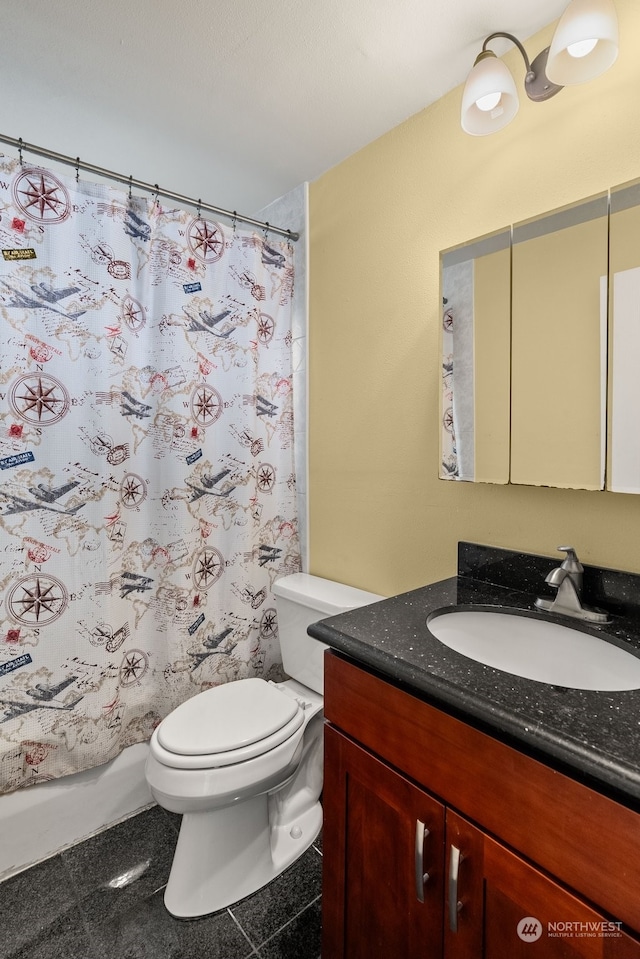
[537,649]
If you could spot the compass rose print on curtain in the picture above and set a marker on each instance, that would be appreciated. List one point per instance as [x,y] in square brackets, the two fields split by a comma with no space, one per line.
[147,488]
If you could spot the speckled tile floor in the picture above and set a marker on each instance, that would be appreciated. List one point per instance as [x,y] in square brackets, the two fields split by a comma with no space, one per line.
[71,907]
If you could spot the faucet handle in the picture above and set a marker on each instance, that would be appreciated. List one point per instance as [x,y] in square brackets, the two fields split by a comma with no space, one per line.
[573,568]
[571,562]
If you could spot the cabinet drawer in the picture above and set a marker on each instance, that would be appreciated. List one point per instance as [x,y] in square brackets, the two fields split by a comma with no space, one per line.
[585,839]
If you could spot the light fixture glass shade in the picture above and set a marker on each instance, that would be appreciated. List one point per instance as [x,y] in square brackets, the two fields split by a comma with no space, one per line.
[488,77]
[583,20]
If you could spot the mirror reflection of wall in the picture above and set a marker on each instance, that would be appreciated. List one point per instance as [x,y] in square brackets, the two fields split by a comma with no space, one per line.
[475,287]
[558,347]
[623,467]
[531,316]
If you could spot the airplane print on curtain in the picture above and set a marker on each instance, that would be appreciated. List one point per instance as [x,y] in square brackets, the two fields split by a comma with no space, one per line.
[147,488]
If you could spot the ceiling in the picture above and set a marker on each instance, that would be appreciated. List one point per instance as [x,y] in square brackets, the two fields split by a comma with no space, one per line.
[249,98]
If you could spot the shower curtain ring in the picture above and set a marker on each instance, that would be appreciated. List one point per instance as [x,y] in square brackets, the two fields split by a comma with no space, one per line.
[198,211]
[266,230]
[234,221]
[130,184]
[20,151]
[77,169]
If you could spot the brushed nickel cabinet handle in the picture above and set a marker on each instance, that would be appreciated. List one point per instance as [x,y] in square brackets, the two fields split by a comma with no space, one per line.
[455,858]
[421,877]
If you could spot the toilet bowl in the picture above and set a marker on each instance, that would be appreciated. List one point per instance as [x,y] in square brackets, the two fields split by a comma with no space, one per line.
[242,763]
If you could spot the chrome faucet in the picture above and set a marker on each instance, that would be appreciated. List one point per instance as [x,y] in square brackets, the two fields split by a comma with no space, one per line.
[567,579]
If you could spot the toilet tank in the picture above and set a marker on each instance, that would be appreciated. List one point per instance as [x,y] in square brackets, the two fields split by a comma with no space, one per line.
[302,599]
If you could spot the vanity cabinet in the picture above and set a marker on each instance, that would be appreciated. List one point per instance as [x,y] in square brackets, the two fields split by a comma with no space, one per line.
[391,836]
[439,840]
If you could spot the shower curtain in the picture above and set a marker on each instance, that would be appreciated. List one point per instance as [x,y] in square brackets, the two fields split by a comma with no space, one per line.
[147,487]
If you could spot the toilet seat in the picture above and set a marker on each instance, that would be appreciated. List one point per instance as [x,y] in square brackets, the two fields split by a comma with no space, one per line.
[227,724]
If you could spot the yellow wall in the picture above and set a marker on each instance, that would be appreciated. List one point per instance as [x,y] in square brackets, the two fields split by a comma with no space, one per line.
[379,516]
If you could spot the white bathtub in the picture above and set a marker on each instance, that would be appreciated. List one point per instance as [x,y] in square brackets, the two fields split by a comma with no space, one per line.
[41,820]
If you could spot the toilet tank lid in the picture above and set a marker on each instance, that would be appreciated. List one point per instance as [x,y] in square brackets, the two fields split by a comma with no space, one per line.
[323,595]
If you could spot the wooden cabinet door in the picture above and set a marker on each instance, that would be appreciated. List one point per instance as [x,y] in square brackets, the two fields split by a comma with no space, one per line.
[501,906]
[383,842]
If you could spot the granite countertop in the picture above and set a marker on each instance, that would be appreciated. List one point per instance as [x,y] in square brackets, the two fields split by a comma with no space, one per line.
[593,736]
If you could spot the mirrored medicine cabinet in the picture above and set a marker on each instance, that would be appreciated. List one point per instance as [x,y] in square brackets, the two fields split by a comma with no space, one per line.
[541,350]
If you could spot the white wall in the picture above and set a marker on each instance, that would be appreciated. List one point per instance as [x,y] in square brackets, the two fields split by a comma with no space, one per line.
[291,210]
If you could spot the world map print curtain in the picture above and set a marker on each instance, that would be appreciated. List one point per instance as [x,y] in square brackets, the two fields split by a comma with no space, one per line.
[147,488]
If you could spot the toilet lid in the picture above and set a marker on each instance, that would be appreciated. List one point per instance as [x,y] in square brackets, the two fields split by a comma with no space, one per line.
[227,717]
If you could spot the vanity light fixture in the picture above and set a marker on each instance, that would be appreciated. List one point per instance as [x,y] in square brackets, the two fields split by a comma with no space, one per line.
[584,45]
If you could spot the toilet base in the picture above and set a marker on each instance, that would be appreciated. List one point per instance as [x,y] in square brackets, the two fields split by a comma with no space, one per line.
[226,854]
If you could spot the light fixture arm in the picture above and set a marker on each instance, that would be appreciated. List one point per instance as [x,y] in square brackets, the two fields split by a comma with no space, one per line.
[510,36]
[537,85]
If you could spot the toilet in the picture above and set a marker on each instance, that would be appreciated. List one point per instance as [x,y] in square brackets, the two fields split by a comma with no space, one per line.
[242,762]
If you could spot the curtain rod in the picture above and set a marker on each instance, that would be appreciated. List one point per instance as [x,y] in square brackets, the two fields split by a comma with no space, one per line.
[79,164]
